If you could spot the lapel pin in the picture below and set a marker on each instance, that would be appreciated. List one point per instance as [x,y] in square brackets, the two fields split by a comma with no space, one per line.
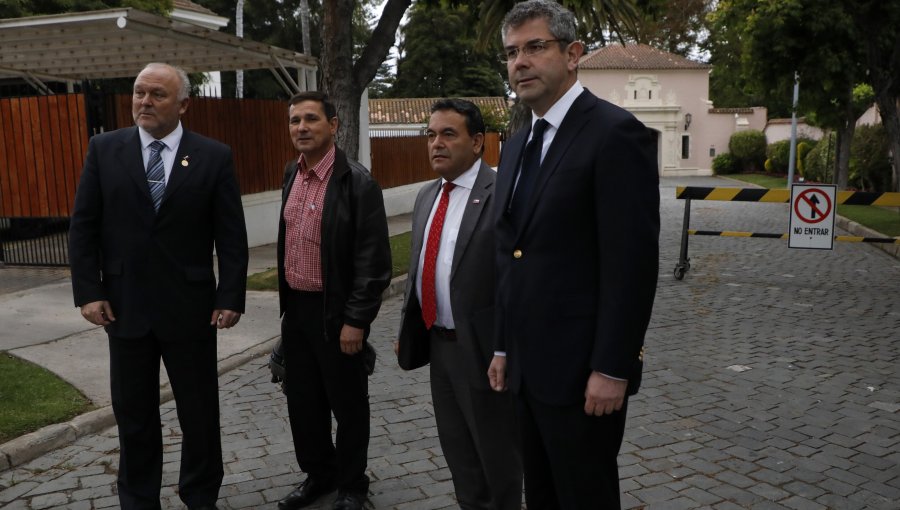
[476,200]
[184,161]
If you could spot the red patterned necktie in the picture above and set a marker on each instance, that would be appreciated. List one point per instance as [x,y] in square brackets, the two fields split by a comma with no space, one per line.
[429,295]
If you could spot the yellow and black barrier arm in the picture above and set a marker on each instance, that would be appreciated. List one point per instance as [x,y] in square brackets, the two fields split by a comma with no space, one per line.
[778,196]
[844,239]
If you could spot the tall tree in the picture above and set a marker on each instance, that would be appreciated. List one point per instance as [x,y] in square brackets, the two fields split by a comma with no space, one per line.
[817,40]
[675,26]
[729,86]
[438,57]
[877,25]
[345,79]
[275,23]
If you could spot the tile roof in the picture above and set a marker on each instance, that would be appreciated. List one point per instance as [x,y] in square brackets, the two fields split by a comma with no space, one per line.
[636,56]
[416,110]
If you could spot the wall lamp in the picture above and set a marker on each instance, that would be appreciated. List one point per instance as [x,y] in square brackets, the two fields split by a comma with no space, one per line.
[687,120]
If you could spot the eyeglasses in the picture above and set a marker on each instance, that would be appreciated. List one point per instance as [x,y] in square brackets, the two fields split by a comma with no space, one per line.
[530,49]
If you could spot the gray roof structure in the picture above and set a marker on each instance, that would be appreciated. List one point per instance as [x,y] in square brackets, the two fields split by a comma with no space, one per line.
[117,43]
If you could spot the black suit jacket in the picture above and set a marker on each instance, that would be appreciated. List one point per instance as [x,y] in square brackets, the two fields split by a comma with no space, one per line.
[156,269]
[577,278]
[471,282]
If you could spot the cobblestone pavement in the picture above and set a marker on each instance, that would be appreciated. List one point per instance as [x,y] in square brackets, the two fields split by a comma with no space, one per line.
[771,381]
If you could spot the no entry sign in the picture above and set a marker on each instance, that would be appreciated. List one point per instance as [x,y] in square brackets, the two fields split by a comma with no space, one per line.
[812,216]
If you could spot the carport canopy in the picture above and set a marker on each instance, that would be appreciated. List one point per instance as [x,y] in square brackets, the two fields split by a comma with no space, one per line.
[117,43]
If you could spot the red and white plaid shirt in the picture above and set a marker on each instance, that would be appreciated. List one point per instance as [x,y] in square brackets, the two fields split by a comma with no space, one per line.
[303,224]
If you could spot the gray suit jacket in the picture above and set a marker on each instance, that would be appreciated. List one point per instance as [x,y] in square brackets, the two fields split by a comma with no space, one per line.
[471,282]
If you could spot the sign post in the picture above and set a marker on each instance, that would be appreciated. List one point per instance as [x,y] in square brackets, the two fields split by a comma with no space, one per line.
[812,216]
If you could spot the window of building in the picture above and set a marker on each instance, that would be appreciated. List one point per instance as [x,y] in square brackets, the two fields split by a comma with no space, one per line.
[685,146]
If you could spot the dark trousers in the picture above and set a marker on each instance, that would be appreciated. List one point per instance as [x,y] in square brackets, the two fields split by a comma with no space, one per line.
[570,458]
[134,374]
[321,380]
[476,427]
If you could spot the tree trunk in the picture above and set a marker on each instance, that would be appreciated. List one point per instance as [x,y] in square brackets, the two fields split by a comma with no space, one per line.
[304,27]
[842,155]
[890,117]
[342,79]
[877,24]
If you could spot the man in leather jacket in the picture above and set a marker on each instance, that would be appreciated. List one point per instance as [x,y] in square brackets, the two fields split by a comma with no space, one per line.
[334,262]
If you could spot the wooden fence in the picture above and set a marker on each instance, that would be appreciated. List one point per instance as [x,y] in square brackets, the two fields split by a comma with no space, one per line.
[43,141]
[256,130]
[403,159]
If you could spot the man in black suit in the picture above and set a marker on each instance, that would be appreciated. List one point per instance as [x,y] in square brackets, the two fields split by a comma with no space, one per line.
[577,223]
[448,312]
[153,202]
[334,261]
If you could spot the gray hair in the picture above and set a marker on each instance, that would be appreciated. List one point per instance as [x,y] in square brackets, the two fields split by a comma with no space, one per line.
[184,91]
[560,20]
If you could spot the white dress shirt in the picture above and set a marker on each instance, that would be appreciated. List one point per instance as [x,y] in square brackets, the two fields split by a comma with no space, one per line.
[459,197]
[172,140]
[554,118]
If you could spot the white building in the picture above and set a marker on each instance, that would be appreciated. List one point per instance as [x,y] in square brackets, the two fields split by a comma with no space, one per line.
[670,94]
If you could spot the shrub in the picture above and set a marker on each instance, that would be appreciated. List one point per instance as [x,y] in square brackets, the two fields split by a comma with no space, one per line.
[748,147]
[803,149]
[870,168]
[818,165]
[779,153]
[725,163]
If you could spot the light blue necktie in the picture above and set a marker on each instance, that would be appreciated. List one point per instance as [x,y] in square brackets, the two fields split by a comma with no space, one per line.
[156,174]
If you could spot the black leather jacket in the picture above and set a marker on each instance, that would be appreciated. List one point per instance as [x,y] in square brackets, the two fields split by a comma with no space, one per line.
[355,251]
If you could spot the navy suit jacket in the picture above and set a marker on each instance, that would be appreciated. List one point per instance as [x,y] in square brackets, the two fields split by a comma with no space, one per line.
[156,269]
[576,277]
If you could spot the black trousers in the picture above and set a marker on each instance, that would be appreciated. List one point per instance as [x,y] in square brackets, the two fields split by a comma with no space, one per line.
[321,380]
[134,377]
[570,458]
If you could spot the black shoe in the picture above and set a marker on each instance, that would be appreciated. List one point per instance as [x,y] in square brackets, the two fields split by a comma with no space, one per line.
[306,494]
[349,501]
[205,507]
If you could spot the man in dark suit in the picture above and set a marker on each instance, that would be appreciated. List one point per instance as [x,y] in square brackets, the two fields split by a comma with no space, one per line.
[334,261]
[577,223]
[153,202]
[448,312]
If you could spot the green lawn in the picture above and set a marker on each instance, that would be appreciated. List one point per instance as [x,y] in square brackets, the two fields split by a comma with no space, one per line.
[268,280]
[766,181]
[32,397]
[885,220]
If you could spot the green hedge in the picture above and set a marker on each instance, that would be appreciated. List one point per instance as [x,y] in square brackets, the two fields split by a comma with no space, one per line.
[725,163]
[749,147]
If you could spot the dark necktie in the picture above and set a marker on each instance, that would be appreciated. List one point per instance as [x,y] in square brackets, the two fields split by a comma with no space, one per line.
[156,174]
[530,168]
[429,294]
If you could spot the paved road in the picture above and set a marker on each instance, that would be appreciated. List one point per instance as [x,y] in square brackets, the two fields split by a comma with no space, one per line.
[772,380]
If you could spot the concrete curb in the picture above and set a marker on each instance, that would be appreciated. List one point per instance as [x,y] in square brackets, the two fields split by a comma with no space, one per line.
[863,231]
[34,444]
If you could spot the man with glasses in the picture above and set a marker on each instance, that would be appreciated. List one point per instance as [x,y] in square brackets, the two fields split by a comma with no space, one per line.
[577,224]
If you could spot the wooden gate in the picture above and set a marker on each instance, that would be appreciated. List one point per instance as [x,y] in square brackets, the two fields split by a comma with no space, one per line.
[43,141]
